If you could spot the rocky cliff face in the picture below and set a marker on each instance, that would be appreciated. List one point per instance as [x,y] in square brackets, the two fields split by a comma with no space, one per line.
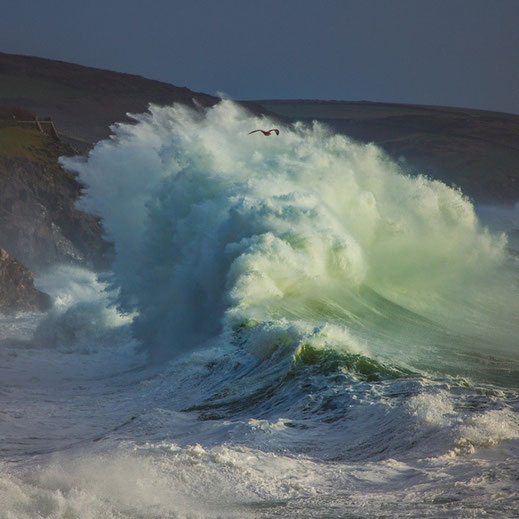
[38,222]
[17,284]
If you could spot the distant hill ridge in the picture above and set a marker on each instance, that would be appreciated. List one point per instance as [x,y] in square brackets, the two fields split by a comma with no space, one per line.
[474,149]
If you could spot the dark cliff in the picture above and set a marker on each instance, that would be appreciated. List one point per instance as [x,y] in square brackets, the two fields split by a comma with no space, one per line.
[39,224]
[18,292]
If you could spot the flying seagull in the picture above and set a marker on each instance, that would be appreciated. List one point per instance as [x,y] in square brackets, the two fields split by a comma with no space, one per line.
[266,132]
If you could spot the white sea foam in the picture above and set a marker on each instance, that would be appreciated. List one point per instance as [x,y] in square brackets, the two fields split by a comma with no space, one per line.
[84,316]
[165,480]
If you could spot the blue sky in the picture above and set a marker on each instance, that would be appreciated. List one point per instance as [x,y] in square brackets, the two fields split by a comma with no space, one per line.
[441,52]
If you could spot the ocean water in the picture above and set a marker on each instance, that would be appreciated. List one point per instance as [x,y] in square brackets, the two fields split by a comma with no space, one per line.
[293,327]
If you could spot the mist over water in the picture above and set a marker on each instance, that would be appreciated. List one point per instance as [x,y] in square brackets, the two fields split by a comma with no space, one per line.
[292,328]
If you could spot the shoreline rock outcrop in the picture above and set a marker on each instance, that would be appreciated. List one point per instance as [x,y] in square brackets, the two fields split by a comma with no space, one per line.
[18,293]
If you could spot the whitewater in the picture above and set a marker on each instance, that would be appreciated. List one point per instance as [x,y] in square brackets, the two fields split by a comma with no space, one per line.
[293,326]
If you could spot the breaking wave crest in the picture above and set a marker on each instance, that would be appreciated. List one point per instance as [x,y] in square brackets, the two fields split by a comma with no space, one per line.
[306,239]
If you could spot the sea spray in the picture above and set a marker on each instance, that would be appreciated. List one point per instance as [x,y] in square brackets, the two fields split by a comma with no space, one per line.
[84,316]
[214,228]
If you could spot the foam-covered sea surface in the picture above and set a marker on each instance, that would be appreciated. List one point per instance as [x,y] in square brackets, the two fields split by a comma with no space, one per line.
[293,326]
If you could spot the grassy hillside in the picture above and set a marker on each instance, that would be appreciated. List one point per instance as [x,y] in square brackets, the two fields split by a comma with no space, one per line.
[28,143]
[83,101]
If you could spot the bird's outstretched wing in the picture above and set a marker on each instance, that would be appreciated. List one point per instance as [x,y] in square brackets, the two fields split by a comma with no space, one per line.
[265,132]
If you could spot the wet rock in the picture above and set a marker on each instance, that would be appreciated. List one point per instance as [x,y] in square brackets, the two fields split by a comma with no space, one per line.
[17,291]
